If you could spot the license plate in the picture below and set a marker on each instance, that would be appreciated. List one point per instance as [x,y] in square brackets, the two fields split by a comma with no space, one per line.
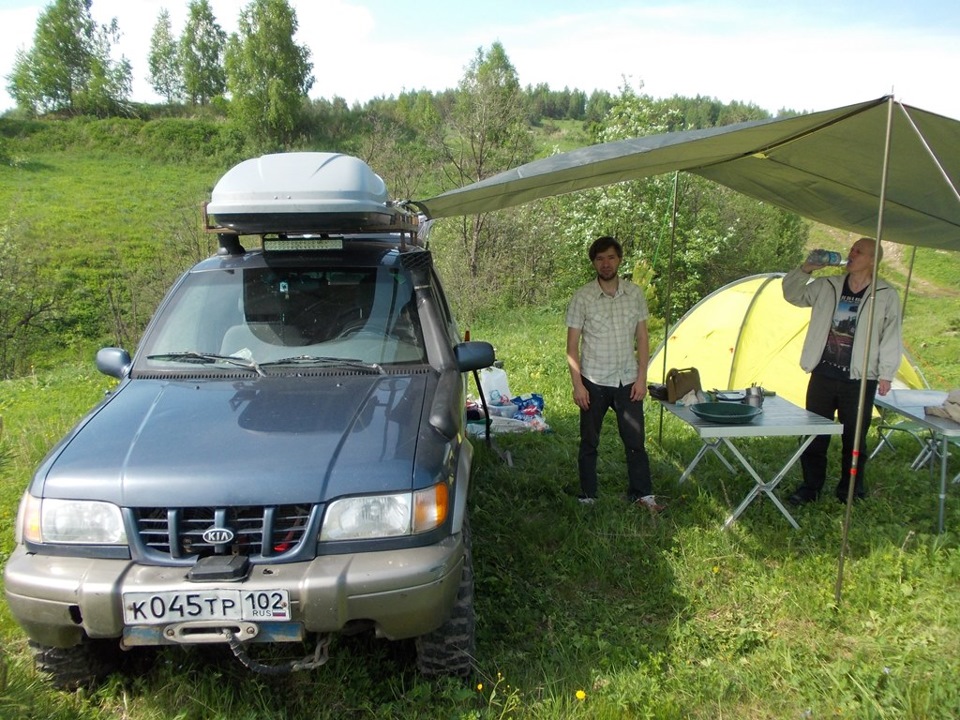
[213,604]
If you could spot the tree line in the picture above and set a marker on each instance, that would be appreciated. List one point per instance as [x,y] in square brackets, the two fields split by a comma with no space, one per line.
[258,75]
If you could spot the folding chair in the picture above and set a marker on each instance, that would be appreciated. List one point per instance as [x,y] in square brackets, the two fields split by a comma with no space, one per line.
[931,454]
[928,455]
[887,426]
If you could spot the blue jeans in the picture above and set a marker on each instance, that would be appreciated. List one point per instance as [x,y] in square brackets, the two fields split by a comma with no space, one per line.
[630,424]
[826,396]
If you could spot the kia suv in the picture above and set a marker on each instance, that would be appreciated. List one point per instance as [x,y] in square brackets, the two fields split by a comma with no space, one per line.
[283,458]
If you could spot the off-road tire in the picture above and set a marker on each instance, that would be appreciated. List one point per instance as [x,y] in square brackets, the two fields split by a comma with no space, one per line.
[450,649]
[81,666]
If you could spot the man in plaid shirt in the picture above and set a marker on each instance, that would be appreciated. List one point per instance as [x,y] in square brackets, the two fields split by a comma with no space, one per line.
[607,353]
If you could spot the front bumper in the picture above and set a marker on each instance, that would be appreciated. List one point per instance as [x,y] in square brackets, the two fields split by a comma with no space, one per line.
[404,593]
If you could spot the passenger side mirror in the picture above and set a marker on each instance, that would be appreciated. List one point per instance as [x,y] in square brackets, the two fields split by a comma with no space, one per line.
[114,362]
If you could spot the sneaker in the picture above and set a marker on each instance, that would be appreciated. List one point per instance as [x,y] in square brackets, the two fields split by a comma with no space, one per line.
[650,502]
[586,500]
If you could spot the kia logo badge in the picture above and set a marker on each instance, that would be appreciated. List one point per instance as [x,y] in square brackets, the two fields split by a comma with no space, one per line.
[218,535]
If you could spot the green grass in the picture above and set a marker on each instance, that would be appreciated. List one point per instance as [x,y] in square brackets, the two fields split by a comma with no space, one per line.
[667,617]
[560,136]
[100,199]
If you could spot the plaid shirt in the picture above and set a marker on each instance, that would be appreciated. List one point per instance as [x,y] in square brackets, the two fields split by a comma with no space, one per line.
[608,331]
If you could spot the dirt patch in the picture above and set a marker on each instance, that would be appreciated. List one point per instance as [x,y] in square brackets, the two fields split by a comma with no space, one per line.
[898,258]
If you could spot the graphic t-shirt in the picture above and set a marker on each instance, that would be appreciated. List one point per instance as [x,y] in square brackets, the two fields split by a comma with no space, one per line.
[836,357]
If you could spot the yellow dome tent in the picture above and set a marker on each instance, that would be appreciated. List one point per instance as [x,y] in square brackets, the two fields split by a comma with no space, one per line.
[746,333]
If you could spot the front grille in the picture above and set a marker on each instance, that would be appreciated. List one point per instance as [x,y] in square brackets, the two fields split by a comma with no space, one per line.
[271,531]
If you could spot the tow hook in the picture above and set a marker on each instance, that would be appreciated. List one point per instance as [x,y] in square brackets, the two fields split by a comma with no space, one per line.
[311,662]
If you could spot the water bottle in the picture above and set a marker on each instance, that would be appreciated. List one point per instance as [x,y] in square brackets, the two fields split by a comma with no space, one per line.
[825,257]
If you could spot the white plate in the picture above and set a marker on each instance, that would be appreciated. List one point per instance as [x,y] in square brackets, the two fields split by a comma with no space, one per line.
[160,608]
[731,395]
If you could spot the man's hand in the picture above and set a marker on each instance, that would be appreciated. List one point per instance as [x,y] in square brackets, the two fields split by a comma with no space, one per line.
[883,387]
[581,397]
[638,391]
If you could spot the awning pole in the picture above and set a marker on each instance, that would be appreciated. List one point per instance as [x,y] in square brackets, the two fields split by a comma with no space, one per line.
[667,311]
[906,290]
[871,302]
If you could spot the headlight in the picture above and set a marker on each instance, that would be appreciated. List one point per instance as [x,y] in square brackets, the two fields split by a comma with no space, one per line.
[79,522]
[380,516]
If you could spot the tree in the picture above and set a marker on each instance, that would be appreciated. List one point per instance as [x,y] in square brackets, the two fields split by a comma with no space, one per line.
[69,68]
[166,76]
[489,129]
[268,74]
[201,55]
[393,140]
[30,299]
[486,133]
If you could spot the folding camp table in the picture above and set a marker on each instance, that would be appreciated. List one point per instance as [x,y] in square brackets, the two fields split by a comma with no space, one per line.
[911,404]
[779,418]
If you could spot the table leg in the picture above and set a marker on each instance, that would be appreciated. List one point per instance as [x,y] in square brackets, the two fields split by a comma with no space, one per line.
[943,478]
[765,487]
[707,446]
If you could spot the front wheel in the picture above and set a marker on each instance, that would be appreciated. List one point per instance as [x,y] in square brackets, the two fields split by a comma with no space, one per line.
[449,650]
[81,666]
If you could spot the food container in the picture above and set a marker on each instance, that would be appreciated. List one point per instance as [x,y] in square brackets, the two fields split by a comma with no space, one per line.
[754,396]
[507,411]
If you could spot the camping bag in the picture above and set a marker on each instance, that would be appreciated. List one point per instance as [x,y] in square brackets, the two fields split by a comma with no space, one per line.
[658,391]
[680,382]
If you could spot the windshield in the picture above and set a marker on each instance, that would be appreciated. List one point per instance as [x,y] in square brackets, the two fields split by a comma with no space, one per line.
[281,315]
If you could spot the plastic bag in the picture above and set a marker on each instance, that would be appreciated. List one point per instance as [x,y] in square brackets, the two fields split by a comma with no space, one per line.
[530,411]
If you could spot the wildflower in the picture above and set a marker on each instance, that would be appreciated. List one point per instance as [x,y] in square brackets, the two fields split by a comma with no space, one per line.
[581,695]
[479,687]
[716,569]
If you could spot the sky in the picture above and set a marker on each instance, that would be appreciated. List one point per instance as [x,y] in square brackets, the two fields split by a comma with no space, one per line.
[802,55]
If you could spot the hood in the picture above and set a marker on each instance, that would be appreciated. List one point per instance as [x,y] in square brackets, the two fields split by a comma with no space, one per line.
[227,442]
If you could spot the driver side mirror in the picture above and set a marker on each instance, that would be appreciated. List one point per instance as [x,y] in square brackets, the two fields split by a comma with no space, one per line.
[474,355]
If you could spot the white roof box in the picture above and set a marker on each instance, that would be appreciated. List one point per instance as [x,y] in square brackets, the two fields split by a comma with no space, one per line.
[303,192]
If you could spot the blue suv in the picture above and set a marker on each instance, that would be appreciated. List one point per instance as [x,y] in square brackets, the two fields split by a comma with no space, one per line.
[284,457]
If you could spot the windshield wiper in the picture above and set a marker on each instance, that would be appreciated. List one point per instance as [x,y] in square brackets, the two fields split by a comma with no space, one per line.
[206,358]
[324,361]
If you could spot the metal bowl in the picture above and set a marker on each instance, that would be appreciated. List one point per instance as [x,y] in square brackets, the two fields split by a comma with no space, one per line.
[727,413]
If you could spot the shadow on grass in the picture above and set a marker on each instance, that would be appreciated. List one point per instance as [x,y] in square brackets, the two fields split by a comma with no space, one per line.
[566,590]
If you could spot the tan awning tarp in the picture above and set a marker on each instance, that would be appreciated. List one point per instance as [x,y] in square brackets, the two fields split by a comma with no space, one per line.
[826,166]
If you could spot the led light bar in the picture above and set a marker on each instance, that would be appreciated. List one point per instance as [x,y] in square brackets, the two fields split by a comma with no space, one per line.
[295,244]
